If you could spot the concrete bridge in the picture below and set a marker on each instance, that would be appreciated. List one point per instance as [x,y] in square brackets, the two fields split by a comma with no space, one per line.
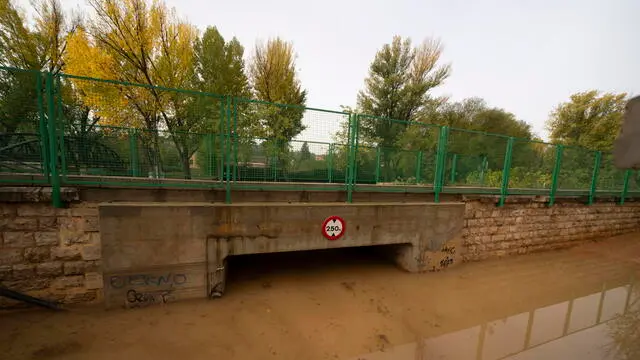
[128,247]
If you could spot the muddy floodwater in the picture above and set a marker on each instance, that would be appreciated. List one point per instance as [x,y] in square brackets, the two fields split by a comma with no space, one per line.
[581,303]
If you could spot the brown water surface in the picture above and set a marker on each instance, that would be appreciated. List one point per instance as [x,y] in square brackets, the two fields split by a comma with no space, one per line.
[350,304]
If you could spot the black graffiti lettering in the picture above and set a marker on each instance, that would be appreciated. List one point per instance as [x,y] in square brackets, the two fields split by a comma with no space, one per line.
[449,250]
[169,279]
[444,263]
[136,298]
[163,279]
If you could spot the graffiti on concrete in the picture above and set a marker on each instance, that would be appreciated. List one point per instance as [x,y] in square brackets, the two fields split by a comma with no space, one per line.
[444,263]
[444,258]
[139,299]
[451,250]
[168,279]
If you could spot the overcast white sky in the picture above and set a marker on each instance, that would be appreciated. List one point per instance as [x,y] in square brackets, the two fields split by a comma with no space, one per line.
[523,56]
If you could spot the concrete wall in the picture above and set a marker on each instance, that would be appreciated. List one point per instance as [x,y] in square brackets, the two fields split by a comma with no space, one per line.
[179,250]
[57,253]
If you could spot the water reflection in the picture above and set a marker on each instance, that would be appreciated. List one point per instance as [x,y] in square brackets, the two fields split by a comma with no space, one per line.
[602,325]
[625,330]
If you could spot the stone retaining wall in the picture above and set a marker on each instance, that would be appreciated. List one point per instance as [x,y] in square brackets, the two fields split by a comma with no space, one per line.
[51,253]
[528,225]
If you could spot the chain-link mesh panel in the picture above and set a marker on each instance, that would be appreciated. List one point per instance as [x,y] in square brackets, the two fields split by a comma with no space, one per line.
[23,135]
[368,164]
[393,152]
[428,162]
[474,159]
[531,165]
[286,143]
[610,178]
[398,166]
[634,182]
[103,152]
[576,168]
[112,129]
[120,129]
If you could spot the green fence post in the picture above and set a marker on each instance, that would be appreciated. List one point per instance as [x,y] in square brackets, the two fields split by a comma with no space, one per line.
[133,152]
[483,169]
[227,151]
[378,164]
[594,177]
[504,186]
[351,157]
[556,173]
[57,88]
[625,186]
[418,167]
[42,123]
[356,141]
[221,135]
[274,161]
[53,143]
[235,139]
[330,163]
[438,185]
[347,175]
[454,162]
[210,146]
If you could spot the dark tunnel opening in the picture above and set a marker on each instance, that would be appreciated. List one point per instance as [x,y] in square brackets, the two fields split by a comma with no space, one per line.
[309,265]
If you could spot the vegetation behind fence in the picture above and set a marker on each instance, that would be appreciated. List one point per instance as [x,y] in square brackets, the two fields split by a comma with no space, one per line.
[62,129]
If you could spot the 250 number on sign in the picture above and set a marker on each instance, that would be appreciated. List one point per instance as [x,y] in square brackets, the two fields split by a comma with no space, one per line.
[333,228]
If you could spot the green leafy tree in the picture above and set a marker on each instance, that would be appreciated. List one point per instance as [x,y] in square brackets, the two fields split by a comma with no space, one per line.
[589,119]
[274,80]
[397,87]
[305,153]
[396,92]
[473,143]
[220,69]
[220,65]
[39,46]
[35,45]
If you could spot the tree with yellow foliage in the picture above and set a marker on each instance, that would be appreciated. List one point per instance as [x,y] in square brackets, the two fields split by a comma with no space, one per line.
[133,42]
[274,79]
[37,47]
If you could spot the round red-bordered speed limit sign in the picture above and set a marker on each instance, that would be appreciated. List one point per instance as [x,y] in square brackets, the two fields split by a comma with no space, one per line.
[333,227]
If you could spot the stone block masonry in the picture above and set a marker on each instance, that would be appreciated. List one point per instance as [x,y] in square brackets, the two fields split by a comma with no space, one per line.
[50,253]
[528,224]
[56,254]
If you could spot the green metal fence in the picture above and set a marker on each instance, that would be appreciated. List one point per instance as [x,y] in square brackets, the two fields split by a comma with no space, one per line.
[71,130]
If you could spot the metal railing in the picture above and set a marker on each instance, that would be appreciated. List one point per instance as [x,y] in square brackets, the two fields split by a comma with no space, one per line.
[65,130]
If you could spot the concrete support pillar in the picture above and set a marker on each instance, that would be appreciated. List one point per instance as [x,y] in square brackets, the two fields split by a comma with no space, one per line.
[217,252]
[410,258]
